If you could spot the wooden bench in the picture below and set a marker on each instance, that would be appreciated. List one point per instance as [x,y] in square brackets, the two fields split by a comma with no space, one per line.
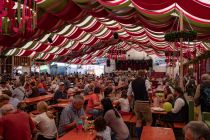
[130,120]
[133,120]
[126,118]
[206,118]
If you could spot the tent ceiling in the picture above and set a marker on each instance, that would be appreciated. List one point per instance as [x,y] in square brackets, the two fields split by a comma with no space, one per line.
[83,29]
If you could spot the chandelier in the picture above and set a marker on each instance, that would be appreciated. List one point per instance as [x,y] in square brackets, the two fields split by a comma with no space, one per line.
[17,16]
[117,52]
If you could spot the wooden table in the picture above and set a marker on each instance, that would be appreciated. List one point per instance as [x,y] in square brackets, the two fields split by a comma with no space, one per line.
[64,104]
[157,133]
[74,135]
[100,107]
[34,100]
[60,105]
[159,112]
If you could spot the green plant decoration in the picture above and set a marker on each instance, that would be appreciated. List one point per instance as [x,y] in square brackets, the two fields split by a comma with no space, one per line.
[176,36]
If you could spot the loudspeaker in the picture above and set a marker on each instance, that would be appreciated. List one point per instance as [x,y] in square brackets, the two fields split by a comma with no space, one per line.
[116,35]
[50,40]
[108,62]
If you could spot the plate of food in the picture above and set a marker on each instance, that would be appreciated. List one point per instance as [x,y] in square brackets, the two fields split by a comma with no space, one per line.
[157,109]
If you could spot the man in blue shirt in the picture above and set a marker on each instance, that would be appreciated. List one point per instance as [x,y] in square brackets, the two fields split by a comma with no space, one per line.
[71,114]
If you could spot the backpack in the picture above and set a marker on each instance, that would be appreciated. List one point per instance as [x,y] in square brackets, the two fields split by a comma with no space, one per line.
[205,99]
[206,95]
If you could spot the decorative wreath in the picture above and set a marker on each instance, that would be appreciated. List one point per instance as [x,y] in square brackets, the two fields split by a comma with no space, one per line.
[185,35]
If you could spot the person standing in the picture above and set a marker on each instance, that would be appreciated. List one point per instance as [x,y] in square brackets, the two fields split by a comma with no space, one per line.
[137,91]
[202,95]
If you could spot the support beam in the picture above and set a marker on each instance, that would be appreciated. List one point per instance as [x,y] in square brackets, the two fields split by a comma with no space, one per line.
[181,53]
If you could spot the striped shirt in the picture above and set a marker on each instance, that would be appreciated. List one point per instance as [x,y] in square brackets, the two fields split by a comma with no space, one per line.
[68,115]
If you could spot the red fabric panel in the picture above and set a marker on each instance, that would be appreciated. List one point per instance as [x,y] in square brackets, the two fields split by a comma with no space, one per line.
[63,52]
[153,4]
[71,12]
[41,48]
[47,21]
[76,34]
[58,41]
[101,13]
[77,47]
[92,42]
[194,7]
[93,28]
[51,57]
[27,53]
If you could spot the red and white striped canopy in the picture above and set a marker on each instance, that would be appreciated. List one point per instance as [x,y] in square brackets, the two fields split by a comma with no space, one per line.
[82,30]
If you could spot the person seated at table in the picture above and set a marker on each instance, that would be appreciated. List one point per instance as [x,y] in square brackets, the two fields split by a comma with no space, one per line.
[70,114]
[196,130]
[4,86]
[13,101]
[70,92]
[34,92]
[88,89]
[18,92]
[160,86]
[41,87]
[108,92]
[115,121]
[94,100]
[168,95]
[180,110]
[103,132]
[124,103]
[45,123]
[61,94]
[15,124]
[54,86]
[4,99]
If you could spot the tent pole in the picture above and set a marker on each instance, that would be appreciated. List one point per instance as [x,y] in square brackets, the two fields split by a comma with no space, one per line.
[181,52]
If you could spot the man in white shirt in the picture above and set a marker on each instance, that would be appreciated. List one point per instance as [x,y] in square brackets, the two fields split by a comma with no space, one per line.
[180,110]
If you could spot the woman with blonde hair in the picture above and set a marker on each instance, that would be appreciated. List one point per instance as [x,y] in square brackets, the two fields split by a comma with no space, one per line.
[45,122]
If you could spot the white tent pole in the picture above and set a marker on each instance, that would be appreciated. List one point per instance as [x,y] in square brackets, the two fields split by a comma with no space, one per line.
[181,52]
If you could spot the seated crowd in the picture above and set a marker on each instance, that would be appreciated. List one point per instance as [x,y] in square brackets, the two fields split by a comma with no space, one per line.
[105,99]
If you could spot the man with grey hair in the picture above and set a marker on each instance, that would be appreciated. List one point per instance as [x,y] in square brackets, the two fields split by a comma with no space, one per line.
[196,130]
[15,125]
[19,91]
[71,115]
[202,95]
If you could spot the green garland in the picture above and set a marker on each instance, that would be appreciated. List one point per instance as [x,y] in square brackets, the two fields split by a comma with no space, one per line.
[206,55]
[175,36]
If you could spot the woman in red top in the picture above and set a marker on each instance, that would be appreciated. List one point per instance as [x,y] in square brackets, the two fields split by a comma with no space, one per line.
[94,100]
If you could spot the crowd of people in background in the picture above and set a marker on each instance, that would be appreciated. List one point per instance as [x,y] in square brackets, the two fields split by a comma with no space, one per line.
[137,97]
